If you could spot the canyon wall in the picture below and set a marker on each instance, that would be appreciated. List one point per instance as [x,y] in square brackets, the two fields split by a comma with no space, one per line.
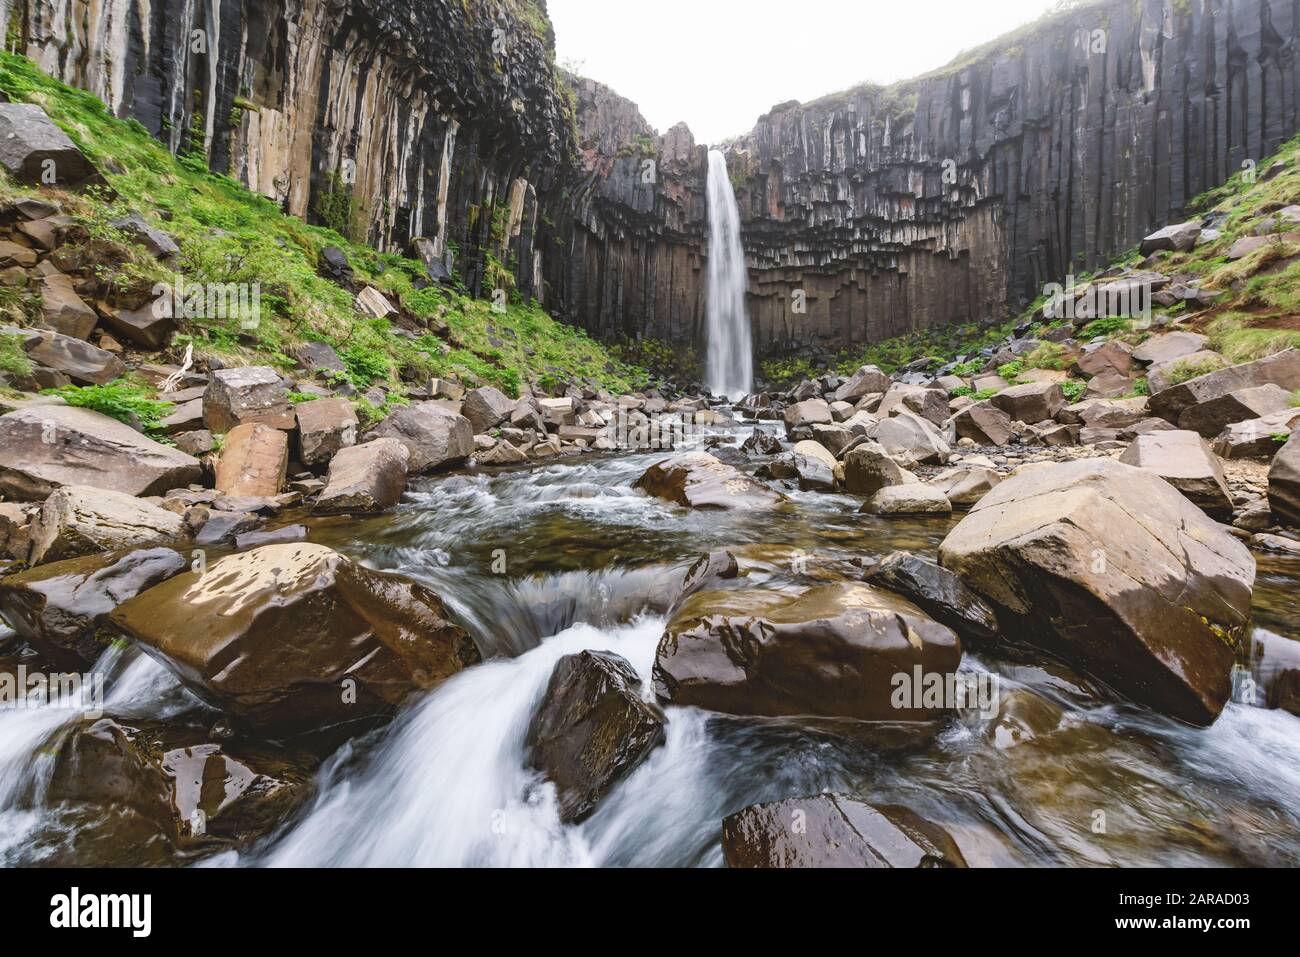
[866,214]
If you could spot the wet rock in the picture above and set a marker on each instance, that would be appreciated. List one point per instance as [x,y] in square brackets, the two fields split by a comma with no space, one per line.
[865,381]
[1284,483]
[1255,438]
[15,530]
[811,474]
[60,608]
[698,480]
[868,468]
[365,478]
[984,423]
[435,437]
[911,499]
[278,536]
[964,485]
[1111,569]
[486,408]
[761,443]
[250,394]
[834,831]
[1275,668]
[936,591]
[324,427]
[1281,369]
[1211,417]
[591,729]
[833,651]
[79,520]
[1185,461]
[81,362]
[253,462]
[32,148]
[193,790]
[1032,402]
[503,453]
[295,637]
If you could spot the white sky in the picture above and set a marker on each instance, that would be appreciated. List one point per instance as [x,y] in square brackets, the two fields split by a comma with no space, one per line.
[720,64]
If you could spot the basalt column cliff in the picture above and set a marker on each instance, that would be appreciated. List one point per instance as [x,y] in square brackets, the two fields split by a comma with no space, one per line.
[865,214]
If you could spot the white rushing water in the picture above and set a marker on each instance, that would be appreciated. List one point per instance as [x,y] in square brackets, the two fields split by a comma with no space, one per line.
[730,370]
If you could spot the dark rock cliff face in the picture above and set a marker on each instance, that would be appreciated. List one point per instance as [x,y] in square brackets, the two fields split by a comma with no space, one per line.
[940,200]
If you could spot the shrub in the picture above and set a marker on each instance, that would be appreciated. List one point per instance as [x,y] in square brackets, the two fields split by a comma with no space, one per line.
[1185,370]
[120,399]
[1074,389]
[13,359]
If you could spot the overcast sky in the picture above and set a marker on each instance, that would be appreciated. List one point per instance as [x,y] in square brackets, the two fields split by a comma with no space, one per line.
[720,64]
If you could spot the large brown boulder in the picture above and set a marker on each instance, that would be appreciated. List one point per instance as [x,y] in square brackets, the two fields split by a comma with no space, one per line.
[832,830]
[1169,346]
[79,520]
[295,637]
[60,608]
[911,440]
[365,478]
[1284,482]
[253,461]
[434,436]
[806,414]
[77,359]
[486,408]
[190,791]
[32,149]
[1281,369]
[984,424]
[1255,438]
[44,447]
[1185,461]
[868,468]
[867,380]
[324,427]
[698,480]
[1110,568]
[244,395]
[1031,402]
[836,651]
[591,729]
[1211,417]
[937,591]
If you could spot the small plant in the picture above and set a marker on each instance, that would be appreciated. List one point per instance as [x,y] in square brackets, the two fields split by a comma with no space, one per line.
[1011,371]
[1281,437]
[120,399]
[963,391]
[1107,326]
[1184,370]
[1140,387]
[13,359]
[1048,355]
[1074,389]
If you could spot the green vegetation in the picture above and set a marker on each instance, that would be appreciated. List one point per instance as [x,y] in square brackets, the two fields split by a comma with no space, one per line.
[1241,338]
[1108,326]
[122,399]
[13,359]
[1295,399]
[230,235]
[1184,370]
[1074,389]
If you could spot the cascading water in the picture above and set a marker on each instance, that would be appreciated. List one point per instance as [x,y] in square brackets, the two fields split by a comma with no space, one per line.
[730,358]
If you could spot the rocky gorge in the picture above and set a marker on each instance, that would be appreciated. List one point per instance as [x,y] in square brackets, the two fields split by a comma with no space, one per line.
[413,592]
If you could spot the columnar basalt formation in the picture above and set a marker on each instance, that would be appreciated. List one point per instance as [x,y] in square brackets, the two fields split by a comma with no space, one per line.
[867,213]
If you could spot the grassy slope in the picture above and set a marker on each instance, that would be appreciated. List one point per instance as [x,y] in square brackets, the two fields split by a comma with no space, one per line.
[1258,315]
[228,234]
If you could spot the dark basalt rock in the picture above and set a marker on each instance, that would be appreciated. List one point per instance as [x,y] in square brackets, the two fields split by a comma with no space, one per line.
[591,729]
[937,592]
[832,830]
[1284,482]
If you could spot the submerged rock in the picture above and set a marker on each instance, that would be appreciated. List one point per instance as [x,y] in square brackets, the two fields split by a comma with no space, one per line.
[591,729]
[295,637]
[833,830]
[698,480]
[1110,568]
[833,651]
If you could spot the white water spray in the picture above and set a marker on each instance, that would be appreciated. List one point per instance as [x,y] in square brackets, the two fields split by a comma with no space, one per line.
[730,359]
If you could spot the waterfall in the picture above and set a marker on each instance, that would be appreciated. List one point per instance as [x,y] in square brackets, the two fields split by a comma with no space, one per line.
[730,359]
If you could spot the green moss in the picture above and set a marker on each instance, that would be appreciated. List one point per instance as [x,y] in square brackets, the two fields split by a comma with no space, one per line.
[121,399]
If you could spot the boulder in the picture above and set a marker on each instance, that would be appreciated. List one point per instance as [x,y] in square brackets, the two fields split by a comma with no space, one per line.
[1161,375]
[1109,386]
[486,408]
[833,438]
[1284,483]
[80,520]
[185,417]
[44,447]
[911,440]
[435,437]
[249,394]
[365,478]
[1281,369]
[320,358]
[984,424]
[1105,413]
[964,485]
[296,637]
[324,427]
[868,468]
[1169,346]
[1185,461]
[913,498]
[865,381]
[806,414]
[1212,416]
[81,362]
[503,453]
[816,451]
[1110,358]
[761,443]
[1255,438]
[60,609]
[253,461]
[835,651]
[63,310]
[812,474]
[186,788]
[1032,402]
[1111,569]
[32,149]
[834,831]
[936,591]
[150,237]
[1179,238]
[698,480]
[591,729]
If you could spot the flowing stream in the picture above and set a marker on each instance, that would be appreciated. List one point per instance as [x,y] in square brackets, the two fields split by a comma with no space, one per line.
[730,367]
[447,782]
